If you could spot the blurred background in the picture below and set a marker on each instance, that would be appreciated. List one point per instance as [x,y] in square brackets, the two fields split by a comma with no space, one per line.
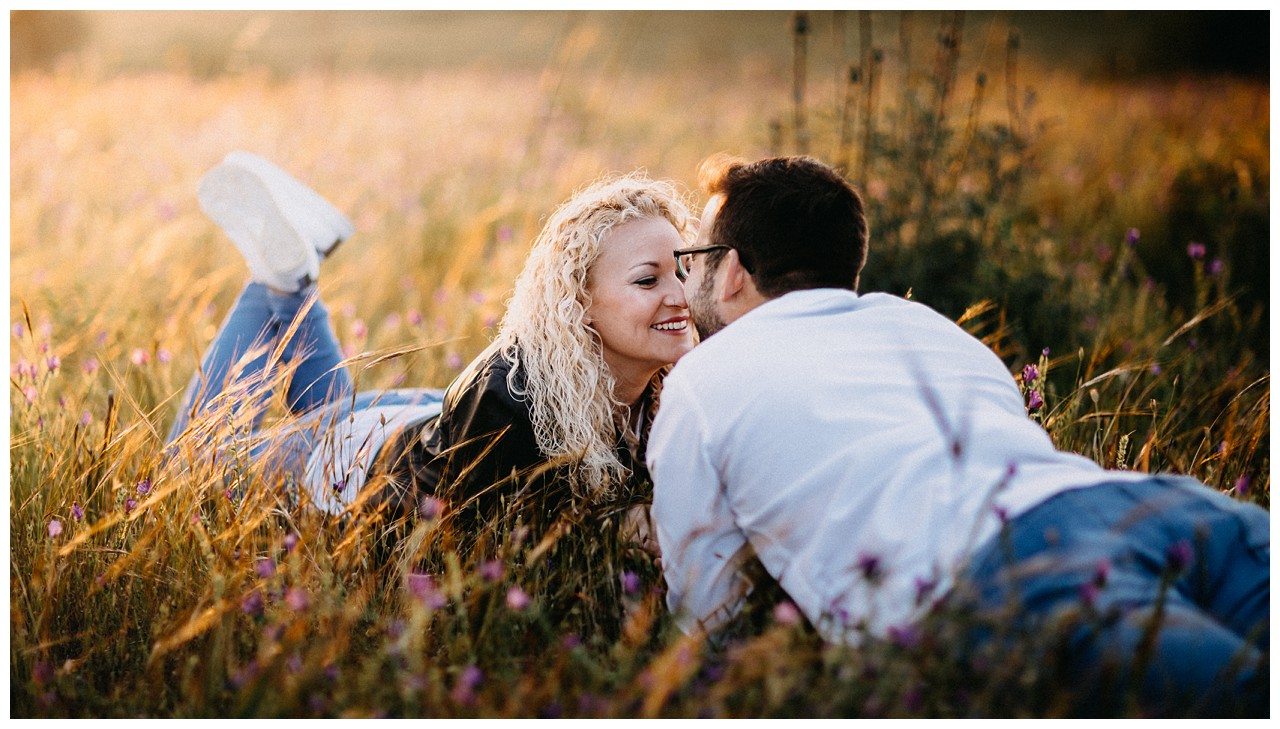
[1112,43]
[1005,156]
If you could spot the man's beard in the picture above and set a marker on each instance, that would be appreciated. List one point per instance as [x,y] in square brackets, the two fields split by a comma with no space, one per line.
[706,320]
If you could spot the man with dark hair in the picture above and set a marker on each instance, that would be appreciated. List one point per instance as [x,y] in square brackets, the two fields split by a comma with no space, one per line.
[873,456]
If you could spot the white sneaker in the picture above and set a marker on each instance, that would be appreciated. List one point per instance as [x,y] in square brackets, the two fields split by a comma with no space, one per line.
[315,218]
[241,203]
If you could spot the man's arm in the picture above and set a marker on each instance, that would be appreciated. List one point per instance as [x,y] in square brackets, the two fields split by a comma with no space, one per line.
[703,550]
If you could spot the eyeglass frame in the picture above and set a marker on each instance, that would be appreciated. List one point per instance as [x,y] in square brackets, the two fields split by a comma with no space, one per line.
[682,273]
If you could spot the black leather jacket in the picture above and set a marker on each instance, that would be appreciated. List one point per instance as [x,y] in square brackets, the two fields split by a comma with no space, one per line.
[481,457]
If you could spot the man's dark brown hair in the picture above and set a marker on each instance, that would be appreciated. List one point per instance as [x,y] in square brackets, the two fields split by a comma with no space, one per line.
[795,222]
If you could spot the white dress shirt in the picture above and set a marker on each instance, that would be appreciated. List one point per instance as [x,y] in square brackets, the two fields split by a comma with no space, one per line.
[861,446]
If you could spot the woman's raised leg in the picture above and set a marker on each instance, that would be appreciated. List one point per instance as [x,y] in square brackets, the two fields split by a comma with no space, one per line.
[282,228]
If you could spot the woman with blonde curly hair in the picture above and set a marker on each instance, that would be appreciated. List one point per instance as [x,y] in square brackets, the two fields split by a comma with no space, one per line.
[551,419]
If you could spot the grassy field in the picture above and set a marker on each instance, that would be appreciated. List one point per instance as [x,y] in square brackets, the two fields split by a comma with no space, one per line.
[1112,231]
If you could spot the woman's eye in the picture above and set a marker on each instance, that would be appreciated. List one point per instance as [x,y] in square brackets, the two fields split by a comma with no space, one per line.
[647,281]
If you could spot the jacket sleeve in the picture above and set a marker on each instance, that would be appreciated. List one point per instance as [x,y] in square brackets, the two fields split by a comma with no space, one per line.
[703,550]
[485,436]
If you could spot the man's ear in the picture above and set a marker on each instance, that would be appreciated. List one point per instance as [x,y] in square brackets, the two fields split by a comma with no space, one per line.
[735,276]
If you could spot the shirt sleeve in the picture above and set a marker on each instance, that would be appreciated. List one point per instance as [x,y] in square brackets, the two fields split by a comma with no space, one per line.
[703,549]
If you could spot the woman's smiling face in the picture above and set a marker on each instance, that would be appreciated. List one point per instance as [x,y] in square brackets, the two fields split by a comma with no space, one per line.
[637,303]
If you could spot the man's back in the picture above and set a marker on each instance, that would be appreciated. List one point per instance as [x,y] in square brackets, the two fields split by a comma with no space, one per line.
[868,445]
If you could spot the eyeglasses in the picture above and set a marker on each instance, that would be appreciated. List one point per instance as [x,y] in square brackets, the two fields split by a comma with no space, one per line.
[684,258]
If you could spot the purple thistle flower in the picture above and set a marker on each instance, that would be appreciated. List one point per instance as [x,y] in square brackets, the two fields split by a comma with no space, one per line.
[129,503]
[517,599]
[1035,401]
[869,565]
[297,599]
[491,570]
[415,317]
[1044,352]
[266,567]
[252,604]
[471,677]
[294,663]
[464,692]
[163,356]
[30,393]
[924,588]
[786,613]
[571,641]
[85,418]
[242,677]
[630,582]
[53,362]
[1215,267]
[1195,250]
[1156,368]
[18,329]
[144,486]
[905,636]
[912,700]
[423,587]
[76,512]
[1131,237]
[1088,594]
[42,672]
[1101,572]
[290,541]
[477,297]
[1241,486]
[91,365]
[430,507]
[1180,555]
[454,361]
[358,329]
[1030,373]
[55,528]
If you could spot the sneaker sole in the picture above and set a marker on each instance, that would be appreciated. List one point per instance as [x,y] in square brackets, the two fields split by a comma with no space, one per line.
[242,204]
[315,218]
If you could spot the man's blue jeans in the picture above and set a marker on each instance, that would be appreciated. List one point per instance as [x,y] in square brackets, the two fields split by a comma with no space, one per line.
[1171,582]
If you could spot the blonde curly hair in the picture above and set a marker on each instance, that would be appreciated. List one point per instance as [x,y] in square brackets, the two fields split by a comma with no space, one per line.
[545,337]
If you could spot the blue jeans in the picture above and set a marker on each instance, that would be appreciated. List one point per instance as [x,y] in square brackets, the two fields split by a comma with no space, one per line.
[1165,587]
[320,390]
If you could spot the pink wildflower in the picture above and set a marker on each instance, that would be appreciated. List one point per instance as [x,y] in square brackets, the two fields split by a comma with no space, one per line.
[90,365]
[517,599]
[77,513]
[139,357]
[55,528]
[786,613]
[297,599]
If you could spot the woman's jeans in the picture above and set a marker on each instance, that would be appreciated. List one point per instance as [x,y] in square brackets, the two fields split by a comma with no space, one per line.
[320,388]
[1170,582]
